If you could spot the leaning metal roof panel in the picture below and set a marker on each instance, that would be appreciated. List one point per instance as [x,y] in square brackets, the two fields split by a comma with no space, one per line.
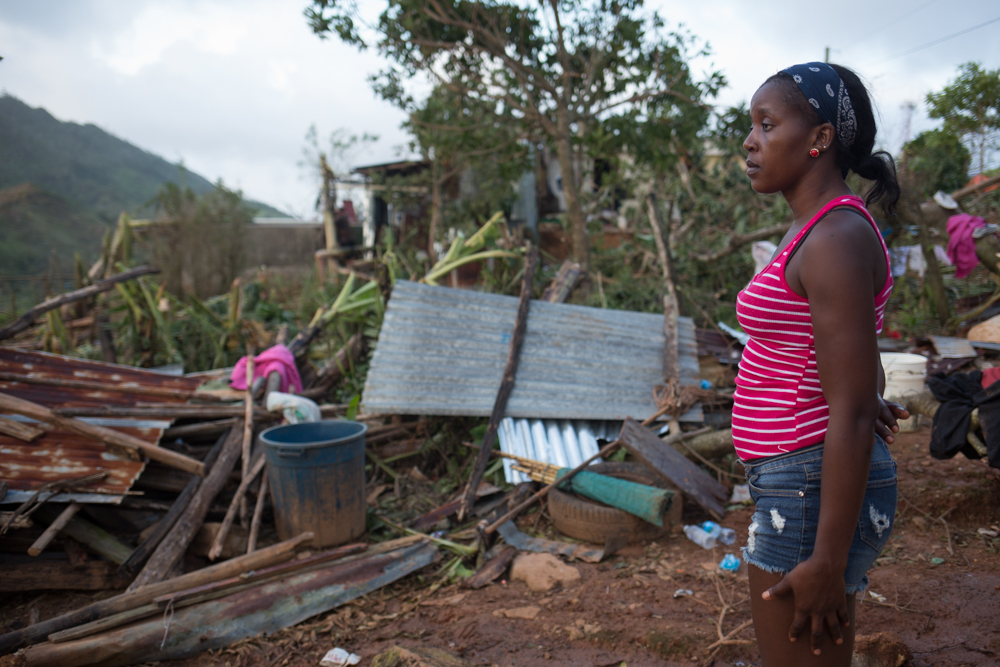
[60,454]
[442,351]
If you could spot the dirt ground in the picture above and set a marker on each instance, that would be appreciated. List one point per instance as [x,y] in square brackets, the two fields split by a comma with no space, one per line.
[937,586]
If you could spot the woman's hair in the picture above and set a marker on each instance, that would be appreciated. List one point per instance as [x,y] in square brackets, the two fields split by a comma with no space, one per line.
[879,166]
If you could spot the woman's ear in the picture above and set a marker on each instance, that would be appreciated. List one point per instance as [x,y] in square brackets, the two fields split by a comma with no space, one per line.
[824,137]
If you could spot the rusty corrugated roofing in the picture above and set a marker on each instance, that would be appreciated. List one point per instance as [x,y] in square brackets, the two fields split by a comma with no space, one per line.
[60,454]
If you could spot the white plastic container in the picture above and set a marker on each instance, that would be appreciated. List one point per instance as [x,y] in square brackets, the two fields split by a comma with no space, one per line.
[904,376]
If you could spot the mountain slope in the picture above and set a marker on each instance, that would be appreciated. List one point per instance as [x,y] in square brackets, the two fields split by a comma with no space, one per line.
[82,179]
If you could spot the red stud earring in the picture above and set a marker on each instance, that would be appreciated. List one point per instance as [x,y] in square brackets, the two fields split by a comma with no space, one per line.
[814,152]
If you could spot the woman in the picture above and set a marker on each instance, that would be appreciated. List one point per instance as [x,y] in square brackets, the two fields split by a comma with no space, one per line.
[807,396]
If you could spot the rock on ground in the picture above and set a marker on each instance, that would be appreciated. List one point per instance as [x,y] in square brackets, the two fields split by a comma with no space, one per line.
[882,649]
[543,572]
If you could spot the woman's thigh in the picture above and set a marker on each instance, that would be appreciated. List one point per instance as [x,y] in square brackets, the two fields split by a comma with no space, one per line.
[773,618]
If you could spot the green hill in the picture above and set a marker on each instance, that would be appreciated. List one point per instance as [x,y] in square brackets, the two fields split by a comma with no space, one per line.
[81,179]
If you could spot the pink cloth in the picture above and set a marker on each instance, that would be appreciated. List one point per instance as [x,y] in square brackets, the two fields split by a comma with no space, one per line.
[278,358]
[961,245]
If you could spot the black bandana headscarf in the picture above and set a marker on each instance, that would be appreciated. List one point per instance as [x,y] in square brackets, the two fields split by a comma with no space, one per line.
[826,92]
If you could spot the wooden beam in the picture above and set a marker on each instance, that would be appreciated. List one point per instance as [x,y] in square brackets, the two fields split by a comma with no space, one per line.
[239,499]
[247,434]
[46,537]
[92,535]
[26,320]
[674,467]
[100,433]
[506,384]
[165,392]
[19,430]
[38,632]
[176,542]
[134,563]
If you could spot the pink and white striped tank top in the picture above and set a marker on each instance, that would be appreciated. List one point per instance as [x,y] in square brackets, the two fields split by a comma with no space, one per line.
[778,405]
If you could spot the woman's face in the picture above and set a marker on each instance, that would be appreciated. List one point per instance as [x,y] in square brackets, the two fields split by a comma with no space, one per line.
[779,141]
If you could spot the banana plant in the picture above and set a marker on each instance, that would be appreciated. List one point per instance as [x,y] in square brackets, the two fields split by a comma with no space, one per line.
[465,251]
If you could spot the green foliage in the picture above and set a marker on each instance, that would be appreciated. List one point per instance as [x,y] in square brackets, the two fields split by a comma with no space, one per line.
[970,107]
[938,160]
[199,245]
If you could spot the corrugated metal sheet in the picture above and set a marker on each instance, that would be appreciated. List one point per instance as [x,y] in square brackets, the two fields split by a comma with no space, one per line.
[62,454]
[563,443]
[442,352]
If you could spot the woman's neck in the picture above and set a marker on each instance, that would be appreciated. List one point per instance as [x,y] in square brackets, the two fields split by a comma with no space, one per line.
[812,192]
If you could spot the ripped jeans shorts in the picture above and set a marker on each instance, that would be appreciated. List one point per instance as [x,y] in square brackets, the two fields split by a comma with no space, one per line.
[785,489]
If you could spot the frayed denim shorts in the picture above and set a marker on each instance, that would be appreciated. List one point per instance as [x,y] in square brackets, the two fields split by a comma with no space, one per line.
[783,529]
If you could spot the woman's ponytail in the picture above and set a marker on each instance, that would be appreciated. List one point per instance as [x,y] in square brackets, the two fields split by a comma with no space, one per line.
[877,167]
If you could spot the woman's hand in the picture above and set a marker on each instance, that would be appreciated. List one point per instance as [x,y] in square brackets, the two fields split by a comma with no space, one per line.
[888,413]
[820,600]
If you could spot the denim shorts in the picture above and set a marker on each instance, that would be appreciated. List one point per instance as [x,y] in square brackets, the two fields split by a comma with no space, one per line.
[785,489]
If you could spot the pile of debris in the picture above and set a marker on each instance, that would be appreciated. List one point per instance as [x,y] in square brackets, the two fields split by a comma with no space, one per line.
[116,477]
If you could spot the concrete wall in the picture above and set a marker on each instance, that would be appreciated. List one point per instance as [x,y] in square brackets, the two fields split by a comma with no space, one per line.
[282,244]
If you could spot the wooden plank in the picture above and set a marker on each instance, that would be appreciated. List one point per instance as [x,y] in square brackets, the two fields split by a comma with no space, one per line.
[137,559]
[38,632]
[100,433]
[19,430]
[176,542]
[55,575]
[95,537]
[674,467]
[46,537]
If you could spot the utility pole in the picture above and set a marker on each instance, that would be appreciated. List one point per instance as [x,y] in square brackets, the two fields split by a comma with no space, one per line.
[826,58]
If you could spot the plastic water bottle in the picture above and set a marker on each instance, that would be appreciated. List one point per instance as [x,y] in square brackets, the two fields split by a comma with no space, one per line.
[698,535]
[730,563]
[724,535]
[712,528]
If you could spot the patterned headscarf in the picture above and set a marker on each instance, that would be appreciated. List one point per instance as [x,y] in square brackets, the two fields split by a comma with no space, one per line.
[826,92]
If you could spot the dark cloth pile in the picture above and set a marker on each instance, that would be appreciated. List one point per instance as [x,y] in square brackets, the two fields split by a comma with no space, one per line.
[960,394]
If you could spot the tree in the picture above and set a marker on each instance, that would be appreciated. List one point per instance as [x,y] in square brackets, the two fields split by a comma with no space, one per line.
[459,136]
[970,107]
[937,160]
[562,70]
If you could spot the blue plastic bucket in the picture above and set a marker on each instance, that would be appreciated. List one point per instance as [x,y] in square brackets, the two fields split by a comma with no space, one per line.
[316,473]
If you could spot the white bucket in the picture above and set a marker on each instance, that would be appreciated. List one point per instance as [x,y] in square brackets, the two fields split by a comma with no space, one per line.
[904,376]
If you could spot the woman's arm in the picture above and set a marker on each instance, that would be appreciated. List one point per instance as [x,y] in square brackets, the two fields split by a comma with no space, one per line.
[836,270]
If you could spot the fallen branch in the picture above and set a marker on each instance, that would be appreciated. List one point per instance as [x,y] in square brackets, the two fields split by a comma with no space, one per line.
[26,320]
[506,384]
[736,241]
[236,503]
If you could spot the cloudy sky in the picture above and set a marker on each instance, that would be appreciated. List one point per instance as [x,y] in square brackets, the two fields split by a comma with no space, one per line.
[230,87]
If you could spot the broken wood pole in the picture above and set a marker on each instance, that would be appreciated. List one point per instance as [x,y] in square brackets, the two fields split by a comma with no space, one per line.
[95,537]
[606,450]
[247,434]
[197,430]
[258,512]
[506,384]
[46,537]
[137,559]
[19,430]
[562,285]
[38,632]
[26,320]
[238,501]
[100,433]
[333,370]
[176,542]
